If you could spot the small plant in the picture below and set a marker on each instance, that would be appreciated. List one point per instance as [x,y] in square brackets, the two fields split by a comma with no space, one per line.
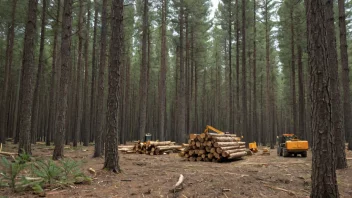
[48,170]
[9,175]
[72,172]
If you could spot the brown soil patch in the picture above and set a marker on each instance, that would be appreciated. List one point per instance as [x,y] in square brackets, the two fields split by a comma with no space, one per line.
[153,176]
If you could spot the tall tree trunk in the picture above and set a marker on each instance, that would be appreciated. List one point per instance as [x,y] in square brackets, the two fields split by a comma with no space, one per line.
[293,75]
[163,70]
[7,80]
[244,73]
[143,88]
[269,128]
[111,154]
[337,112]
[347,109]
[255,122]
[238,119]
[38,85]
[182,103]
[100,97]
[55,71]
[324,182]
[85,126]
[65,69]
[93,105]
[231,119]
[79,77]
[27,79]
[302,116]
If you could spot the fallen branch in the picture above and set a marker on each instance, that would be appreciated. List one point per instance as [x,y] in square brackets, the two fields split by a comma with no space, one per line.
[277,188]
[178,184]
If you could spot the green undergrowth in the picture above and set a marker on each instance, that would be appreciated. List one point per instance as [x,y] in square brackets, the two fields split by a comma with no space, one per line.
[27,173]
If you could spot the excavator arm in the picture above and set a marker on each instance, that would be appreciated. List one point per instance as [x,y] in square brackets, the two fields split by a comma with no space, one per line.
[208,127]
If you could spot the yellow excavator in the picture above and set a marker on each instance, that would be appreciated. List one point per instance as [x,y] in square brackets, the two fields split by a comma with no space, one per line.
[289,144]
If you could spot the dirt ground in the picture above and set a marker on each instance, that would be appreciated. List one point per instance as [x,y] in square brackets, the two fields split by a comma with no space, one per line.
[153,176]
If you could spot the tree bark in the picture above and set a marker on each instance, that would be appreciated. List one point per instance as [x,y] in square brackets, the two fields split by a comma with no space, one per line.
[37,89]
[7,80]
[182,103]
[85,121]
[293,74]
[65,69]
[55,71]
[337,112]
[324,182]
[347,109]
[78,90]
[27,79]
[93,99]
[101,79]
[163,70]
[255,134]
[231,119]
[269,127]
[302,116]
[244,72]
[111,154]
[238,119]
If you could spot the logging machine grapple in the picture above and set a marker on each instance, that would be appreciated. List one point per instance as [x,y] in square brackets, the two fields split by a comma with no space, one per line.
[289,145]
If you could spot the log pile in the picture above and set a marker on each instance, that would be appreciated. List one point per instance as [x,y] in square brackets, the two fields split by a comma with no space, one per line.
[213,147]
[156,148]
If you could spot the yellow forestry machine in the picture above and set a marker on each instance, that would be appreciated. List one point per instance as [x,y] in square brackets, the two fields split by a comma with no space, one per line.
[289,145]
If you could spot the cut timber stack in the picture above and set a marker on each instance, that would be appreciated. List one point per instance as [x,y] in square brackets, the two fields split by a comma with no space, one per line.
[156,148]
[214,147]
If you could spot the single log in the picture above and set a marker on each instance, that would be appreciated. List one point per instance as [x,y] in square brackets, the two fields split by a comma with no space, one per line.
[164,148]
[208,149]
[201,152]
[222,135]
[221,149]
[158,143]
[228,152]
[226,139]
[199,159]
[185,145]
[209,143]
[237,155]
[216,155]
[212,150]
[193,142]
[192,136]
[203,156]
[202,135]
[198,144]
[186,155]
[126,146]
[225,144]
[210,155]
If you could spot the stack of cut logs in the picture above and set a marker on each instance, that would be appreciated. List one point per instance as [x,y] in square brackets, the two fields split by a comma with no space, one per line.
[214,147]
[156,148]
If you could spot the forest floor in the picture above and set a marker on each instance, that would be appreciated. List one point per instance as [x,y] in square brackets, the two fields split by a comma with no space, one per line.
[154,176]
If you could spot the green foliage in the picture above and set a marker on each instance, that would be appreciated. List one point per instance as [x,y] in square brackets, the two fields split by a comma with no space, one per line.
[48,170]
[10,173]
[72,172]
